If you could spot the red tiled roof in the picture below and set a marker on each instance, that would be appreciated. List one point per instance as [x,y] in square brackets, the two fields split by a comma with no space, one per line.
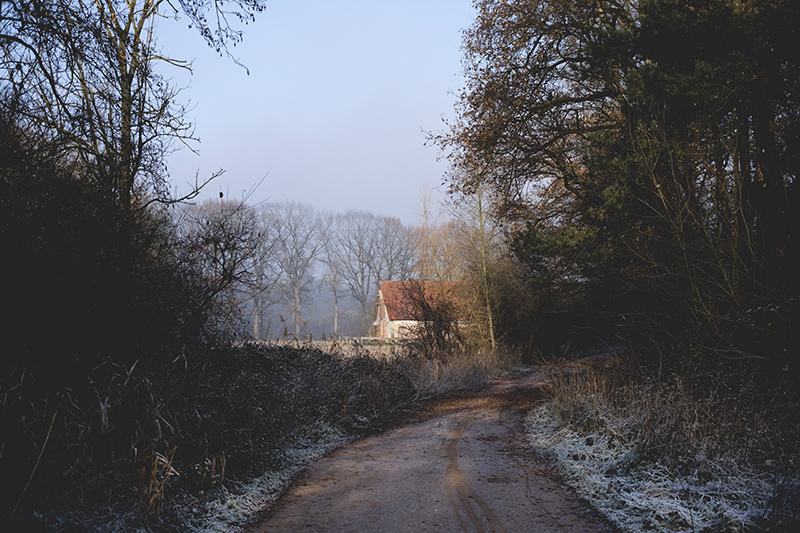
[401,297]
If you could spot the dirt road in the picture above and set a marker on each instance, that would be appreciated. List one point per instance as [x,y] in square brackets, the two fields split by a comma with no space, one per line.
[461,465]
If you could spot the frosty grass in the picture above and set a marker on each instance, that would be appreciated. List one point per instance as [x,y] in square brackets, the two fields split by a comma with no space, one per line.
[650,497]
[225,515]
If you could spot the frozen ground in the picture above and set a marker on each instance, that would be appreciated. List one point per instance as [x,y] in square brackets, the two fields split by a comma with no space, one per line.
[649,496]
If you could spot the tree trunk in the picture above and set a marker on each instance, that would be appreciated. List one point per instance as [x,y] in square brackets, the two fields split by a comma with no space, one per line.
[296,312]
[257,317]
[335,314]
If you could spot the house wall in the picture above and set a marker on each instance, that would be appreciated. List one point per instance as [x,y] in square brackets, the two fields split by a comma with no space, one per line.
[400,329]
[391,329]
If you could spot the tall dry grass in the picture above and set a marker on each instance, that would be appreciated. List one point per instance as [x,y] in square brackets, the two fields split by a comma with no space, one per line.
[698,433]
[671,419]
[457,369]
[157,437]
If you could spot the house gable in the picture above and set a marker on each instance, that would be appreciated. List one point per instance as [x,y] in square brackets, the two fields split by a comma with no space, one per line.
[399,304]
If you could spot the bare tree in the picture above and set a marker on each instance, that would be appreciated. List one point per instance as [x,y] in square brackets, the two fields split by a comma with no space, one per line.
[396,250]
[333,276]
[366,249]
[298,248]
[82,74]
[266,270]
[480,236]
[84,71]
[353,244]
[221,237]
[438,254]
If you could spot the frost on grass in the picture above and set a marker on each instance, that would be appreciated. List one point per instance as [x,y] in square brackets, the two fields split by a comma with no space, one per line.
[643,495]
[236,505]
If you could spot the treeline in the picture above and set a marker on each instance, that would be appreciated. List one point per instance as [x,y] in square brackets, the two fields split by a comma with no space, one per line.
[315,271]
[291,270]
[644,155]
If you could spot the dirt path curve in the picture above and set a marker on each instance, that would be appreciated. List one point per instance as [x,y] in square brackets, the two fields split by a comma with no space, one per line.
[460,465]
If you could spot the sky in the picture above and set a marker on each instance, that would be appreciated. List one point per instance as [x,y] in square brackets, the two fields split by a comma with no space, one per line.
[336,106]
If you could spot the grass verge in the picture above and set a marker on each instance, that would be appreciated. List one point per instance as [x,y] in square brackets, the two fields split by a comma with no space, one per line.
[661,455]
[206,441]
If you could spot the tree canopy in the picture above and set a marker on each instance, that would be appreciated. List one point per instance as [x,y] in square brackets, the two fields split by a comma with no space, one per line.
[650,147]
[82,74]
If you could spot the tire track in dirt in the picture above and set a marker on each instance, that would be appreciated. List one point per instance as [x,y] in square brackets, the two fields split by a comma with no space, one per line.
[461,465]
[459,492]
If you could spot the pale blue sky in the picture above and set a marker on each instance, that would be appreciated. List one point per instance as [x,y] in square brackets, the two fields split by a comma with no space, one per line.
[335,105]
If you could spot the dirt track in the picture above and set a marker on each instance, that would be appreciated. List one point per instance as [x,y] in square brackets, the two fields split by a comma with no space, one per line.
[461,465]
